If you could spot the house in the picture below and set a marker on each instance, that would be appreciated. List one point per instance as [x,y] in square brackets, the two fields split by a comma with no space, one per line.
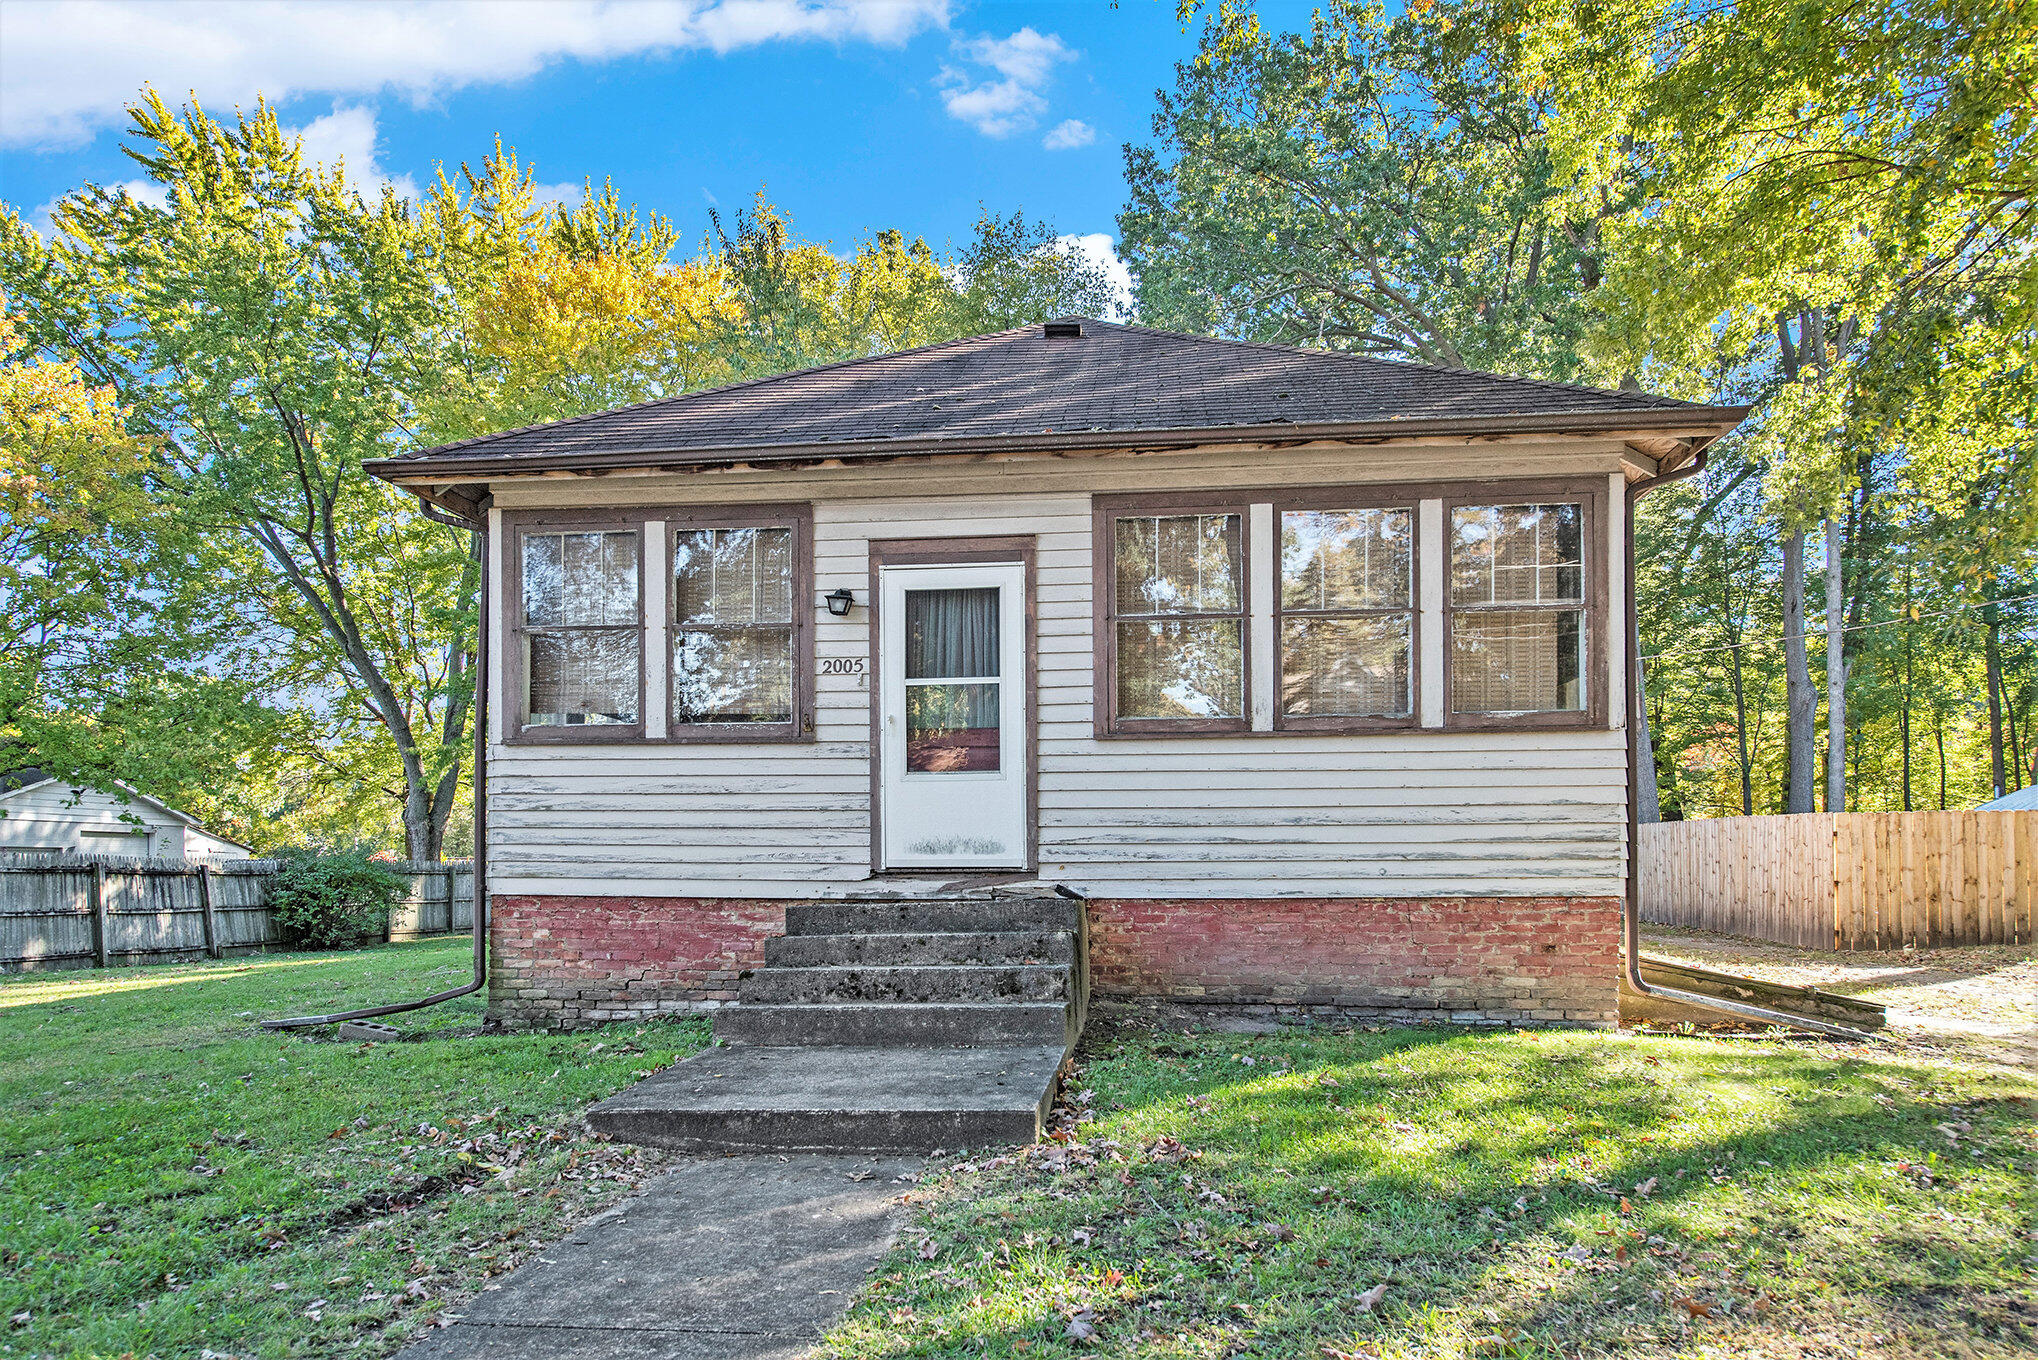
[1304,669]
[2017,800]
[38,812]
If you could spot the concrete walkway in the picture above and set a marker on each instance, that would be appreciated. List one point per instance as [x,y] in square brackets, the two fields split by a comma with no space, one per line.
[723,1258]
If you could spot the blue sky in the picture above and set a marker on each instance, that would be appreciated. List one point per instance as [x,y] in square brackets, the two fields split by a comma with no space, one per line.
[853,114]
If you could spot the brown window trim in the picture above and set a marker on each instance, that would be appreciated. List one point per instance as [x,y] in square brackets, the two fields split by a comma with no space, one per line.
[513,694]
[1590,493]
[1104,617]
[519,731]
[1354,498]
[799,517]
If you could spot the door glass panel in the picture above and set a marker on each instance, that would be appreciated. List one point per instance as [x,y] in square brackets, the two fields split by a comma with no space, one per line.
[951,729]
[951,634]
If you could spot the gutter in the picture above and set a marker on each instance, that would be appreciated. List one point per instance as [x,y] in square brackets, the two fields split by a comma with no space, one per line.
[480,781]
[1673,422]
[1631,907]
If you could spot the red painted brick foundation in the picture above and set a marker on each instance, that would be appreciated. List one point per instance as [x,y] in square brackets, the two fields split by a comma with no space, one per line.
[557,962]
[1469,959]
[564,961]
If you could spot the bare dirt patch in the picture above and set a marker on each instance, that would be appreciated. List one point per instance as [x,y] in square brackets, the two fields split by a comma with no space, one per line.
[1974,1002]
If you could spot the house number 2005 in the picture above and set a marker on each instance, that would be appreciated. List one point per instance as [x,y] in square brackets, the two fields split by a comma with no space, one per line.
[842,665]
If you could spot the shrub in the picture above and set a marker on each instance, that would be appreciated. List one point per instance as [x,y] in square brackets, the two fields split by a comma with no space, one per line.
[331,896]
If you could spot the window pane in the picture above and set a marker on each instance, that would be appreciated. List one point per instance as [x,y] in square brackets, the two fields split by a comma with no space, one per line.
[1177,564]
[583,677]
[951,634]
[1345,667]
[587,580]
[733,576]
[733,675]
[1345,559]
[1180,669]
[1518,661]
[951,728]
[1517,554]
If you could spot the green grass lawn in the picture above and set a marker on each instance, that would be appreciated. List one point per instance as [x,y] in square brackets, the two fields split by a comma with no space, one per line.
[174,1179]
[1440,1194]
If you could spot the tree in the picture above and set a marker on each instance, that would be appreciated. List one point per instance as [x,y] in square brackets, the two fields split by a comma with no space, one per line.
[1855,180]
[1015,272]
[1373,186]
[265,331]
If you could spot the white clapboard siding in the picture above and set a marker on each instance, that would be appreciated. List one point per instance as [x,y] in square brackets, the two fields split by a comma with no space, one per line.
[1394,814]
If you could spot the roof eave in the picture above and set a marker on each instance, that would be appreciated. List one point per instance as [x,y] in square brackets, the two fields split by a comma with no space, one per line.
[1701,422]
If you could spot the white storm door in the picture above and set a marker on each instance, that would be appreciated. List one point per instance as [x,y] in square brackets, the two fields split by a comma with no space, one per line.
[952,781]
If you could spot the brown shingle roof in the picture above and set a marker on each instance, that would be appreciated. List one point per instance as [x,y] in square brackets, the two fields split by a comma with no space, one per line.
[1112,385]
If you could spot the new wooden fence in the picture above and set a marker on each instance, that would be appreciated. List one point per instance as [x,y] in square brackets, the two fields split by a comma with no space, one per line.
[79,911]
[1849,880]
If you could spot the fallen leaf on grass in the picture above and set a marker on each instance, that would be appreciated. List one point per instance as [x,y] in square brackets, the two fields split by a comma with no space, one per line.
[1082,1325]
[929,1249]
[1371,1297]
[1113,1278]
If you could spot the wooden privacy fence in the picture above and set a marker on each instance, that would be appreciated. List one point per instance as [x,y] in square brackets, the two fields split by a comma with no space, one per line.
[1848,880]
[79,911]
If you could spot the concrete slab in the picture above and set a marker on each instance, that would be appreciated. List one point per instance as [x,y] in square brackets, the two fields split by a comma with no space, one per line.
[725,1258]
[838,1099]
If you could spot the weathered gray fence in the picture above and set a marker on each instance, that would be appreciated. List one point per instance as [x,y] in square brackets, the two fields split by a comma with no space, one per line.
[86,911]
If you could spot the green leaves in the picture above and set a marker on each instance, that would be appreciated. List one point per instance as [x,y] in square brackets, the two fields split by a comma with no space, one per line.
[1375,186]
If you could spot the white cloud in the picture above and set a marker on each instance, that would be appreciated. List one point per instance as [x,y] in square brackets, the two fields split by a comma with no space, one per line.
[998,108]
[1103,251]
[347,136]
[67,69]
[1069,134]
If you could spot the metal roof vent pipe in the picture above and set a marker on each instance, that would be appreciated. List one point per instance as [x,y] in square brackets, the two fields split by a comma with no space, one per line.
[1063,330]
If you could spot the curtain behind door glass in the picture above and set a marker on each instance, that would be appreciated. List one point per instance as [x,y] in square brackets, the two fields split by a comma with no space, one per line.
[951,635]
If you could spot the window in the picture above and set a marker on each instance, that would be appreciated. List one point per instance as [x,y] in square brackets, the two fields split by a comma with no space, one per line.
[580,624]
[1347,616]
[1518,609]
[659,624]
[1175,622]
[732,636]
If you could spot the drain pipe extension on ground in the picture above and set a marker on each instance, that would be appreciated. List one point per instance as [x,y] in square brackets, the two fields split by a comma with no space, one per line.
[1631,908]
[480,784]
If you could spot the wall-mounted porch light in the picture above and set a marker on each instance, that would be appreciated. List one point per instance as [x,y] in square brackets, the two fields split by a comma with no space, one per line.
[839,601]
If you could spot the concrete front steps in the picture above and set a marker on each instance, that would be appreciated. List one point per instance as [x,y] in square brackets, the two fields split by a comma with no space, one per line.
[881,1025]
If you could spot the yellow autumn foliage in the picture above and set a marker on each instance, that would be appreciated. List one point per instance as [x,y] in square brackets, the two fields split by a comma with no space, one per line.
[67,462]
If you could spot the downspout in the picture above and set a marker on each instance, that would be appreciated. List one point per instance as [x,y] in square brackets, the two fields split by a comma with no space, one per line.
[1631,907]
[480,783]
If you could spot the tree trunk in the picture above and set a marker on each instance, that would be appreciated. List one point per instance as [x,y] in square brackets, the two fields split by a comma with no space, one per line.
[1939,740]
[1734,678]
[1648,803]
[1801,706]
[1836,675]
[1994,654]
